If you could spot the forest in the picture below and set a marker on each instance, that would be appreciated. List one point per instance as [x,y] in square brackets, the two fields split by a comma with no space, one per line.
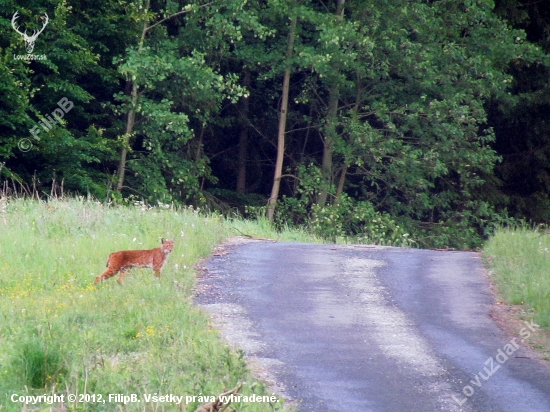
[419,122]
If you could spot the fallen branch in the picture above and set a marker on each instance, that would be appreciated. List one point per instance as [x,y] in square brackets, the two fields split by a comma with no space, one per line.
[252,237]
[221,403]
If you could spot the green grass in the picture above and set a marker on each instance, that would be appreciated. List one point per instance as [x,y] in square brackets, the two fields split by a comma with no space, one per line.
[61,334]
[520,265]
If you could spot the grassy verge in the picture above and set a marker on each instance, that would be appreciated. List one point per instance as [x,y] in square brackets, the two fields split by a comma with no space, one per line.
[519,262]
[61,334]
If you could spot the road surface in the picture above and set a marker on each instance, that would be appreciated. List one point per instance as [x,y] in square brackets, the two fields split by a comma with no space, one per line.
[355,328]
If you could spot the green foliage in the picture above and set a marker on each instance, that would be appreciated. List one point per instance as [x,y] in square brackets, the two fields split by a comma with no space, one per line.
[357,221]
[416,102]
[521,119]
[344,218]
[465,230]
[73,70]
[177,89]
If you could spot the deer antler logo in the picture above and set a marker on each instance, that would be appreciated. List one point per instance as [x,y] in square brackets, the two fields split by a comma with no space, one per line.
[29,40]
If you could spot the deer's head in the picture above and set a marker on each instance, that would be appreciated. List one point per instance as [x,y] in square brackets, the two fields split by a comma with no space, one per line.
[29,40]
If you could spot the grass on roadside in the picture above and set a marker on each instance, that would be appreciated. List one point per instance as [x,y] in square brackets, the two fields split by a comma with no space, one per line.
[61,334]
[520,265]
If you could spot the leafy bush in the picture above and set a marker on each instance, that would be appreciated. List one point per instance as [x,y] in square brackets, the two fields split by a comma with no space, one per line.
[344,217]
[349,218]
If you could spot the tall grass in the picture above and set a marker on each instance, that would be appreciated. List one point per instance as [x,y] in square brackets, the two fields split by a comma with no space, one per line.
[520,265]
[61,334]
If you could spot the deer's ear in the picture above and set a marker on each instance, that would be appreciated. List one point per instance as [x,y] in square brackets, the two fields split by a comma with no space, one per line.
[162,240]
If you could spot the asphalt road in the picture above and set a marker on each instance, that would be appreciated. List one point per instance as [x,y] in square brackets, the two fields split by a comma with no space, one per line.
[344,328]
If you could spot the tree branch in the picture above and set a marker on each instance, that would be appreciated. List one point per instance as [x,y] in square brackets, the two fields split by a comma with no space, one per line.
[175,15]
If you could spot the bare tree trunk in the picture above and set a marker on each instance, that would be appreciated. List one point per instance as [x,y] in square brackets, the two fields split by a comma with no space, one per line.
[271,203]
[243,137]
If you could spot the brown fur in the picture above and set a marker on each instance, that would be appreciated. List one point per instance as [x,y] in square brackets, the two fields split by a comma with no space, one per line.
[125,260]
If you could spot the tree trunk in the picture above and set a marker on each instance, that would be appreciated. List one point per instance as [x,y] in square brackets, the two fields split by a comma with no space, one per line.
[130,117]
[243,137]
[328,146]
[130,121]
[330,129]
[341,182]
[282,126]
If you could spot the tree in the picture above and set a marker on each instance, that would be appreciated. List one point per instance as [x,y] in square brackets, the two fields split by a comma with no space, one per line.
[73,148]
[522,180]
[412,82]
[243,134]
[386,107]
[282,123]
[178,90]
